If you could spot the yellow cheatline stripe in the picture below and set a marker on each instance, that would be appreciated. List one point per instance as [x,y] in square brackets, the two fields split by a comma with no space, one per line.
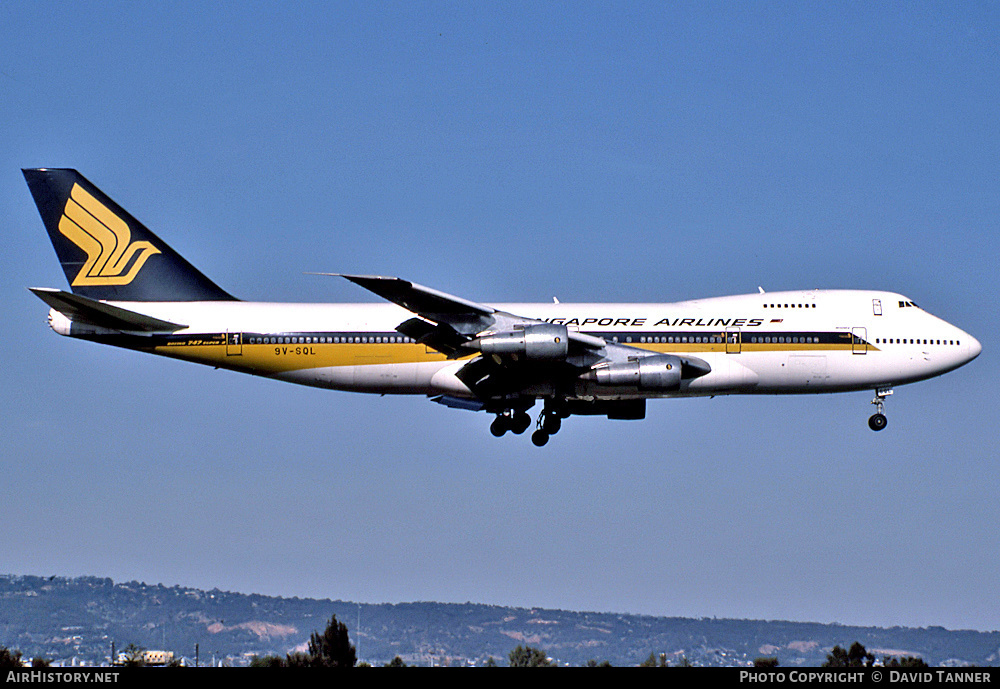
[278,358]
[263,359]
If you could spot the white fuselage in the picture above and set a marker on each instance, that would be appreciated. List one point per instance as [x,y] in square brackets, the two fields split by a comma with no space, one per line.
[768,343]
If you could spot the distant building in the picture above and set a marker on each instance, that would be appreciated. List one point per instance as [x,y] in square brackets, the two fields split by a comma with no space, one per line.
[149,658]
[157,657]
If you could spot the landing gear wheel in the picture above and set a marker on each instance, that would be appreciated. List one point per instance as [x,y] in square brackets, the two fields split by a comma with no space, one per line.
[499,426]
[519,424]
[877,422]
[539,437]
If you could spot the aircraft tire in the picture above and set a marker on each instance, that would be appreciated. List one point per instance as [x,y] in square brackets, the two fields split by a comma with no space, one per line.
[499,427]
[877,422]
[520,423]
[539,438]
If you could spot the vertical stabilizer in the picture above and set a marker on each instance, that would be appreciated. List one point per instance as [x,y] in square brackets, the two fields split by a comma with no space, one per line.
[105,252]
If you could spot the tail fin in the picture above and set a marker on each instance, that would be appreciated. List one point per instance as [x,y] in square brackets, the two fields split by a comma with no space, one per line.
[106,253]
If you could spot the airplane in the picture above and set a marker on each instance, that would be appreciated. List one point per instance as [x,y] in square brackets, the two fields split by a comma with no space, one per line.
[131,290]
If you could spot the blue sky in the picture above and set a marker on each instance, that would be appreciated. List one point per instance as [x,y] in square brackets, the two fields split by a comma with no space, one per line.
[513,152]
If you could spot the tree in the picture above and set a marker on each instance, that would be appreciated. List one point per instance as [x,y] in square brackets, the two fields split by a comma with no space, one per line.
[652,661]
[333,647]
[766,662]
[603,663]
[297,660]
[905,661]
[9,660]
[267,661]
[134,656]
[526,656]
[857,656]
[395,662]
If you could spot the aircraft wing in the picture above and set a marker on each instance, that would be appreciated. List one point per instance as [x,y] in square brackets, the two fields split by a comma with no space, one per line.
[464,316]
[447,322]
[517,353]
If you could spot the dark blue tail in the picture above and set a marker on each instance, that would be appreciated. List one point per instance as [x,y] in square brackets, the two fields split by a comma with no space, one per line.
[106,253]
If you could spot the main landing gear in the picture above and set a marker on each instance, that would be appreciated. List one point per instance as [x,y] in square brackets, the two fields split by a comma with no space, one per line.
[510,420]
[878,421]
[517,421]
[549,423]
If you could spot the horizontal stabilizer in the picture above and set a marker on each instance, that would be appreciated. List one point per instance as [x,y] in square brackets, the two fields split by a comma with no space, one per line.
[84,310]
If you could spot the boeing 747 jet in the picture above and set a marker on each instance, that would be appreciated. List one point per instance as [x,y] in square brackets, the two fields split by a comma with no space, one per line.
[129,289]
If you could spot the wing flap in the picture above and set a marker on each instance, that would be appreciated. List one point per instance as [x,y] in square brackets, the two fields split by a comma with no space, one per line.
[438,336]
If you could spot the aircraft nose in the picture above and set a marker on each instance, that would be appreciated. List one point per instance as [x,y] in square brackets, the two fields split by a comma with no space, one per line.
[973,347]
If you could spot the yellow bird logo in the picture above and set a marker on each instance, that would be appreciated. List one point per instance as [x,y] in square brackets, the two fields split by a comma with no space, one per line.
[112,258]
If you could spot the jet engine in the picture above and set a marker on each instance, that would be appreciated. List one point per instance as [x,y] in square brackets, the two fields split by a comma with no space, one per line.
[536,342]
[656,373]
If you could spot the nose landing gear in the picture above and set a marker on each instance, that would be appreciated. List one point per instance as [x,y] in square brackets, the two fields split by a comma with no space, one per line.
[878,421]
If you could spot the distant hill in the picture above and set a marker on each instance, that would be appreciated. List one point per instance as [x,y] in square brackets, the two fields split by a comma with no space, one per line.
[61,619]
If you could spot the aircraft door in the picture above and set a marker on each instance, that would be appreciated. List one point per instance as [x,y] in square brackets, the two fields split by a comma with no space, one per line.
[859,340]
[734,341]
[234,344]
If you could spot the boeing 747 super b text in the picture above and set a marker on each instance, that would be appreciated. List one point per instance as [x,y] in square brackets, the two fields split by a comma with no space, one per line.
[130,289]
